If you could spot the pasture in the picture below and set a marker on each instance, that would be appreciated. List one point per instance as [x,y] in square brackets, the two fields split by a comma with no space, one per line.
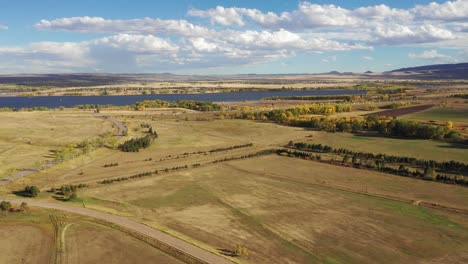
[287,210]
[47,236]
[283,210]
[27,138]
[441,114]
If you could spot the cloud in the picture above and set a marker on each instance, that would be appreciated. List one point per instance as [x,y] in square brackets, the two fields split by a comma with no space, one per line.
[447,11]
[136,52]
[381,23]
[134,26]
[367,58]
[398,34]
[432,55]
[3,27]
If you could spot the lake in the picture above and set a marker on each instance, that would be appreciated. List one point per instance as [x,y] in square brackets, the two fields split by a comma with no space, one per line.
[70,101]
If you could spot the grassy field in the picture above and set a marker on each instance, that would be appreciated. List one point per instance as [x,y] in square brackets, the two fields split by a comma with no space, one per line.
[423,149]
[283,210]
[27,138]
[87,242]
[286,210]
[23,243]
[30,237]
[442,114]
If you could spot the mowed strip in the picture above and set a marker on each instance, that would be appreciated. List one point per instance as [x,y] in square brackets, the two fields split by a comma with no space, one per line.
[195,252]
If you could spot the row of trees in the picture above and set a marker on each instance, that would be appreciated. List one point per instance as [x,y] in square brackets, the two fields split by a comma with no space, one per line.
[444,166]
[429,173]
[187,104]
[287,115]
[381,124]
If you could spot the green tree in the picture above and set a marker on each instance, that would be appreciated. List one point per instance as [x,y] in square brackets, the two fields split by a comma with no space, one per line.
[429,174]
[31,191]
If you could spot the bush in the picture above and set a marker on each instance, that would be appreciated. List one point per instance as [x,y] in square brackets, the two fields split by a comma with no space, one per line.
[5,206]
[31,191]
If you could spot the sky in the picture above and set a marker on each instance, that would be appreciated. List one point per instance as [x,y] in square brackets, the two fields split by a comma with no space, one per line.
[229,37]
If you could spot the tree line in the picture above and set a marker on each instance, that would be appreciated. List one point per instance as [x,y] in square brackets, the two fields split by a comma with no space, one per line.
[384,125]
[187,104]
[444,166]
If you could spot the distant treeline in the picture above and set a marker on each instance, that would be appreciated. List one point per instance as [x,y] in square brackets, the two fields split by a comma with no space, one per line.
[286,115]
[187,104]
[381,124]
[347,98]
[463,96]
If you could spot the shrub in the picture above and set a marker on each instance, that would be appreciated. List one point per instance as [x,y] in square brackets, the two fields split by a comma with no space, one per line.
[31,191]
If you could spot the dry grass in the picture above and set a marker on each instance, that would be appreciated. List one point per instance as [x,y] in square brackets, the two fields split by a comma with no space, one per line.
[278,208]
[87,242]
[22,243]
[28,137]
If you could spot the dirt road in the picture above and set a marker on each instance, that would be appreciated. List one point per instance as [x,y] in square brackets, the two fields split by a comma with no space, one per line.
[121,127]
[181,245]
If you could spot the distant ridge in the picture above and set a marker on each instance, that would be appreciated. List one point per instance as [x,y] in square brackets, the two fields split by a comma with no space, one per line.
[435,67]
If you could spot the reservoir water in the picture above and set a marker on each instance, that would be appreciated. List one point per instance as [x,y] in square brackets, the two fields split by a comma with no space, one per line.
[69,101]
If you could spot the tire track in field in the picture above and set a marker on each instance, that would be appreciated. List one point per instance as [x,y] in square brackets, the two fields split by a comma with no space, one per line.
[199,255]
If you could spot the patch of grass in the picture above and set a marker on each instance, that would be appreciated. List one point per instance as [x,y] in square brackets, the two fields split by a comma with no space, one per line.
[414,211]
[418,148]
[441,114]
[189,195]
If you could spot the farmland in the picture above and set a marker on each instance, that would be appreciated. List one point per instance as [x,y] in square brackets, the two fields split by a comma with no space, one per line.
[48,236]
[214,179]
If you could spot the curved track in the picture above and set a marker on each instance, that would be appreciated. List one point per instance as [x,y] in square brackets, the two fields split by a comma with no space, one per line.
[187,248]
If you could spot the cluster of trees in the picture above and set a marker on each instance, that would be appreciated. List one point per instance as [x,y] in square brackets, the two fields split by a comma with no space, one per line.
[187,104]
[287,115]
[441,166]
[135,144]
[384,125]
[74,150]
[397,105]
[6,206]
[69,192]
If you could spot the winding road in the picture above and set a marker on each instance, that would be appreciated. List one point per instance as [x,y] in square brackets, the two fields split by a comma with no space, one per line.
[120,126]
[189,249]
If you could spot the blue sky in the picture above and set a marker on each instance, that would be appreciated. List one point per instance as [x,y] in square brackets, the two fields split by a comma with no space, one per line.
[225,37]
